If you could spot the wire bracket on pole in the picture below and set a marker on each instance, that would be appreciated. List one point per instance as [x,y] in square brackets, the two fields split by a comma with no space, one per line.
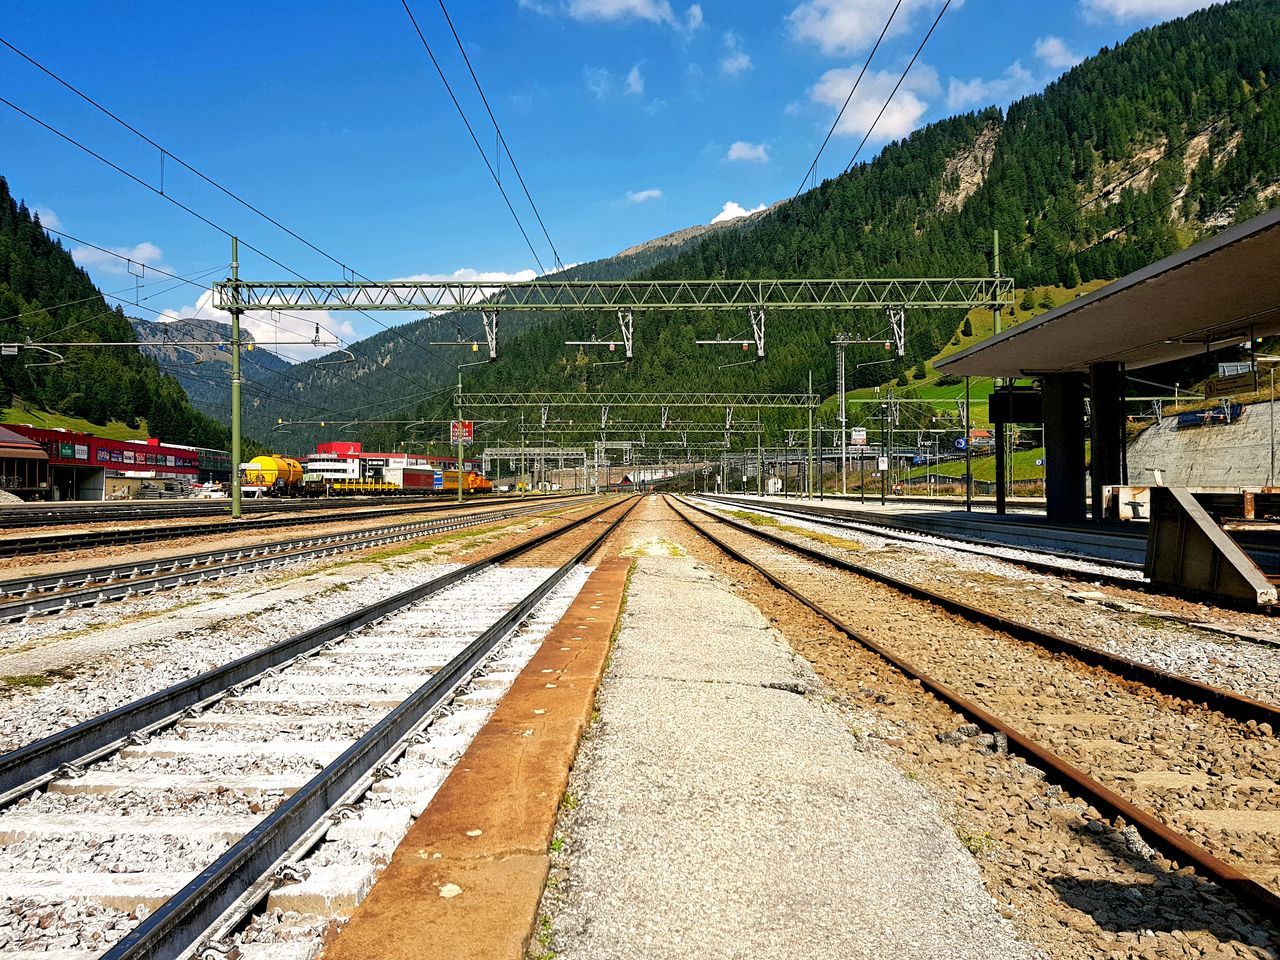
[490,320]
[757,329]
[898,322]
[626,323]
[604,416]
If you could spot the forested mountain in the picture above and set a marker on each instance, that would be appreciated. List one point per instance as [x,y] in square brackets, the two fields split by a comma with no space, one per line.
[204,371]
[1135,153]
[392,362]
[45,296]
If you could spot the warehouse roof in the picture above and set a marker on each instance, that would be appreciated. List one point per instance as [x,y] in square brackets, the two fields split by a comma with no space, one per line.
[1215,293]
[14,446]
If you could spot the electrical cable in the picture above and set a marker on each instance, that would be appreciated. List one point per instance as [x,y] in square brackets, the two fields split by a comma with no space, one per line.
[542,270]
[203,219]
[501,137]
[847,100]
[894,92]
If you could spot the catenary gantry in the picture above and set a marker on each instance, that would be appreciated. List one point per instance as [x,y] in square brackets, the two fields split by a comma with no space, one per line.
[576,295]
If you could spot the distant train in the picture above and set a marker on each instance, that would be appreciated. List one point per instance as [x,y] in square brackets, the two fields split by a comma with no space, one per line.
[275,476]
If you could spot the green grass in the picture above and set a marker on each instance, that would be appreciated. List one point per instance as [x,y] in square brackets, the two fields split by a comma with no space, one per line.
[984,467]
[21,412]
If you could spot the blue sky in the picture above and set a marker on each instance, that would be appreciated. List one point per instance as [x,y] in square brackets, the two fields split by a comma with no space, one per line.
[628,118]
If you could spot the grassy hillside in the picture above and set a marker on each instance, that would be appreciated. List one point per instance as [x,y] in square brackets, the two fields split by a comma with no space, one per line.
[22,412]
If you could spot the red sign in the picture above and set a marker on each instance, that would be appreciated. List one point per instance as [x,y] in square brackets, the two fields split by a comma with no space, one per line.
[462,431]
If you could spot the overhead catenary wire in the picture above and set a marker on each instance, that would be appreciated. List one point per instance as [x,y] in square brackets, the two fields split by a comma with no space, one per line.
[915,56]
[501,136]
[847,100]
[208,222]
[474,139]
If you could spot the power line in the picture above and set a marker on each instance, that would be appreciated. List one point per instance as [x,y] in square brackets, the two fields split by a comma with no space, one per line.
[847,100]
[484,156]
[894,92]
[203,219]
[501,138]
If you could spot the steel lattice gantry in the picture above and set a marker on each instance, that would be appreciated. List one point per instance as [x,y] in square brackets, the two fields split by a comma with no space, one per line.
[438,296]
[613,398]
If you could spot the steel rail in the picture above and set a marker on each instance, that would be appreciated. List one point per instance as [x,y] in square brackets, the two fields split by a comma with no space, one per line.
[23,546]
[61,592]
[35,764]
[959,544]
[1231,704]
[18,516]
[1171,842]
[232,883]
[1134,545]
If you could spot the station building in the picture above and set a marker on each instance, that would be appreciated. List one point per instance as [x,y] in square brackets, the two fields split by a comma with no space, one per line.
[78,466]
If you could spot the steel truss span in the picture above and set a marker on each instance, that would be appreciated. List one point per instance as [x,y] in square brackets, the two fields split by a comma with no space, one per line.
[579,295]
[606,398]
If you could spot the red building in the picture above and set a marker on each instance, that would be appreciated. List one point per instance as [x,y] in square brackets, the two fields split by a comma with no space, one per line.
[84,467]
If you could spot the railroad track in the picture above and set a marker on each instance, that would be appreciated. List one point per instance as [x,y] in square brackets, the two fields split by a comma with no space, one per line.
[330,735]
[1193,767]
[56,543]
[45,594]
[1088,568]
[14,516]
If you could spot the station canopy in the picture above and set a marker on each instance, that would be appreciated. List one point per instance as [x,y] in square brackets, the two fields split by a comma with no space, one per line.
[1219,292]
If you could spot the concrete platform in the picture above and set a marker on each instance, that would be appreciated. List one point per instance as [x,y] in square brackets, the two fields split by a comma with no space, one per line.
[723,814]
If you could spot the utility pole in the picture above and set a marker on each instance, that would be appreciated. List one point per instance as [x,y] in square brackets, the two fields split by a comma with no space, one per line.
[844,419]
[1001,429]
[522,481]
[809,452]
[760,461]
[235,384]
[968,452]
[460,479]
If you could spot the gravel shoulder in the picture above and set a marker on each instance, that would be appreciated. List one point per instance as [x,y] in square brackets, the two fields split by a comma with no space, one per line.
[1236,650]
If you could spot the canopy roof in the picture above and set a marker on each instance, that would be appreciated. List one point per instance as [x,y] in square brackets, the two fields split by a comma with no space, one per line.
[1215,293]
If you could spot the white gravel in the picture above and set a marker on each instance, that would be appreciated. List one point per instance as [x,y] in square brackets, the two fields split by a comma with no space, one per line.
[253,619]
[430,632]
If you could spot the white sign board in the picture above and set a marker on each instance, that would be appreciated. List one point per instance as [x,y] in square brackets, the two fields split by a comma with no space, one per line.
[882,463]
[857,436]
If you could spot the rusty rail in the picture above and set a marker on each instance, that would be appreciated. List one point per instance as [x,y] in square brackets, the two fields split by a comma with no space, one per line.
[1172,843]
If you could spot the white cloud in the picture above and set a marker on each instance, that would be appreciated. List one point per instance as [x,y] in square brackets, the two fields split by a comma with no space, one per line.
[1054,52]
[143,253]
[750,152]
[644,196]
[848,26]
[733,210]
[599,82]
[294,332]
[1139,9]
[736,61]
[635,81]
[48,218]
[903,113]
[1013,83]
[653,11]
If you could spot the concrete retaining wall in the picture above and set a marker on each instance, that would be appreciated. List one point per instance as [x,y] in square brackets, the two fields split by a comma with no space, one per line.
[1226,455]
